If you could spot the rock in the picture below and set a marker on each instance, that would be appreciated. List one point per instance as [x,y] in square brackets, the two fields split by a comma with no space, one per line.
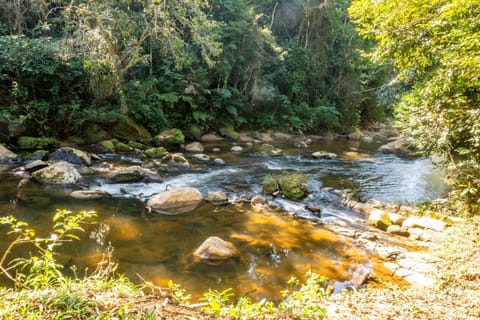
[259,201]
[156,153]
[217,198]
[58,173]
[398,230]
[270,185]
[106,146]
[380,219]
[32,143]
[94,133]
[176,201]
[133,174]
[402,146]
[216,150]
[229,132]
[7,156]
[36,165]
[396,218]
[357,135]
[137,145]
[219,161]
[71,155]
[130,130]
[170,137]
[194,132]
[194,147]
[270,150]
[122,147]
[89,194]
[211,137]
[36,155]
[324,155]
[236,149]
[293,185]
[367,139]
[75,140]
[215,250]
[176,159]
[201,157]
[424,223]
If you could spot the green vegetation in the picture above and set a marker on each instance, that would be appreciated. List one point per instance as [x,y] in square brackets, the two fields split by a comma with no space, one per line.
[183,64]
[434,48]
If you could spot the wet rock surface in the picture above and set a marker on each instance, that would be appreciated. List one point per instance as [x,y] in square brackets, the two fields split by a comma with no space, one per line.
[176,201]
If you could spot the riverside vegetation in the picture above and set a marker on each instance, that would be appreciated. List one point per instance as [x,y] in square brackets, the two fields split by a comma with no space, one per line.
[71,69]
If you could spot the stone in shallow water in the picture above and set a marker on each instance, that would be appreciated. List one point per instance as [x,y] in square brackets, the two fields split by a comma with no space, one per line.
[58,173]
[217,198]
[176,201]
[89,194]
[215,250]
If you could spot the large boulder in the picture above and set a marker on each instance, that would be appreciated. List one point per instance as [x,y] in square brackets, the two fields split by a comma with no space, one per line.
[58,173]
[133,174]
[211,137]
[176,201]
[94,133]
[7,155]
[215,250]
[194,147]
[217,198]
[168,138]
[293,185]
[176,159]
[401,146]
[71,155]
[131,131]
[33,143]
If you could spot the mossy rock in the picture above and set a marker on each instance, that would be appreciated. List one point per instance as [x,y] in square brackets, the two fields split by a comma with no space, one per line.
[122,147]
[106,146]
[293,185]
[131,131]
[229,132]
[270,185]
[94,133]
[137,145]
[194,132]
[76,140]
[169,138]
[32,143]
[156,153]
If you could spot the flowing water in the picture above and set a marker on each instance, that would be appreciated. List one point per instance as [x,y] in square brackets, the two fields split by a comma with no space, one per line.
[275,244]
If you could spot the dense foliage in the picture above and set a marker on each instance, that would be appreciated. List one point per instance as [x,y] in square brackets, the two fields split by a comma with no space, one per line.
[435,49]
[184,63]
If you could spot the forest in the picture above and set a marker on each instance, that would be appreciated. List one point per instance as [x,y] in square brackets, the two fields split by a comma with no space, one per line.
[302,66]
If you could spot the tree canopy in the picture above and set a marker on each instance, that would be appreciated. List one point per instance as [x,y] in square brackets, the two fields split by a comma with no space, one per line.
[434,47]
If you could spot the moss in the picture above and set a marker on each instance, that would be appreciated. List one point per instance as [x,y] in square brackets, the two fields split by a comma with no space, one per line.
[169,138]
[76,140]
[132,131]
[137,145]
[229,132]
[270,185]
[194,132]
[158,153]
[293,185]
[106,146]
[94,133]
[32,143]
[122,147]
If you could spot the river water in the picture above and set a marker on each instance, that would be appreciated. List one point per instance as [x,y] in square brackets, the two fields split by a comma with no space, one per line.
[274,243]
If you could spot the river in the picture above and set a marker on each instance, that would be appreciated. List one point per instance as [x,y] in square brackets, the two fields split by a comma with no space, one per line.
[275,243]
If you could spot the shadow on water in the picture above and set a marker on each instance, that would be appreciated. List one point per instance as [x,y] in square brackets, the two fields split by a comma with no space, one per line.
[274,244]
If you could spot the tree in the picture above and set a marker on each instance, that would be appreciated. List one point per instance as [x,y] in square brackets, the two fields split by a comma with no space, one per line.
[435,47]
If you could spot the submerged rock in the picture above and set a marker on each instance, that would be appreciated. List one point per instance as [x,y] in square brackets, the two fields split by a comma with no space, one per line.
[215,250]
[133,174]
[324,155]
[71,155]
[217,198]
[58,173]
[176,201]
[89,194]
